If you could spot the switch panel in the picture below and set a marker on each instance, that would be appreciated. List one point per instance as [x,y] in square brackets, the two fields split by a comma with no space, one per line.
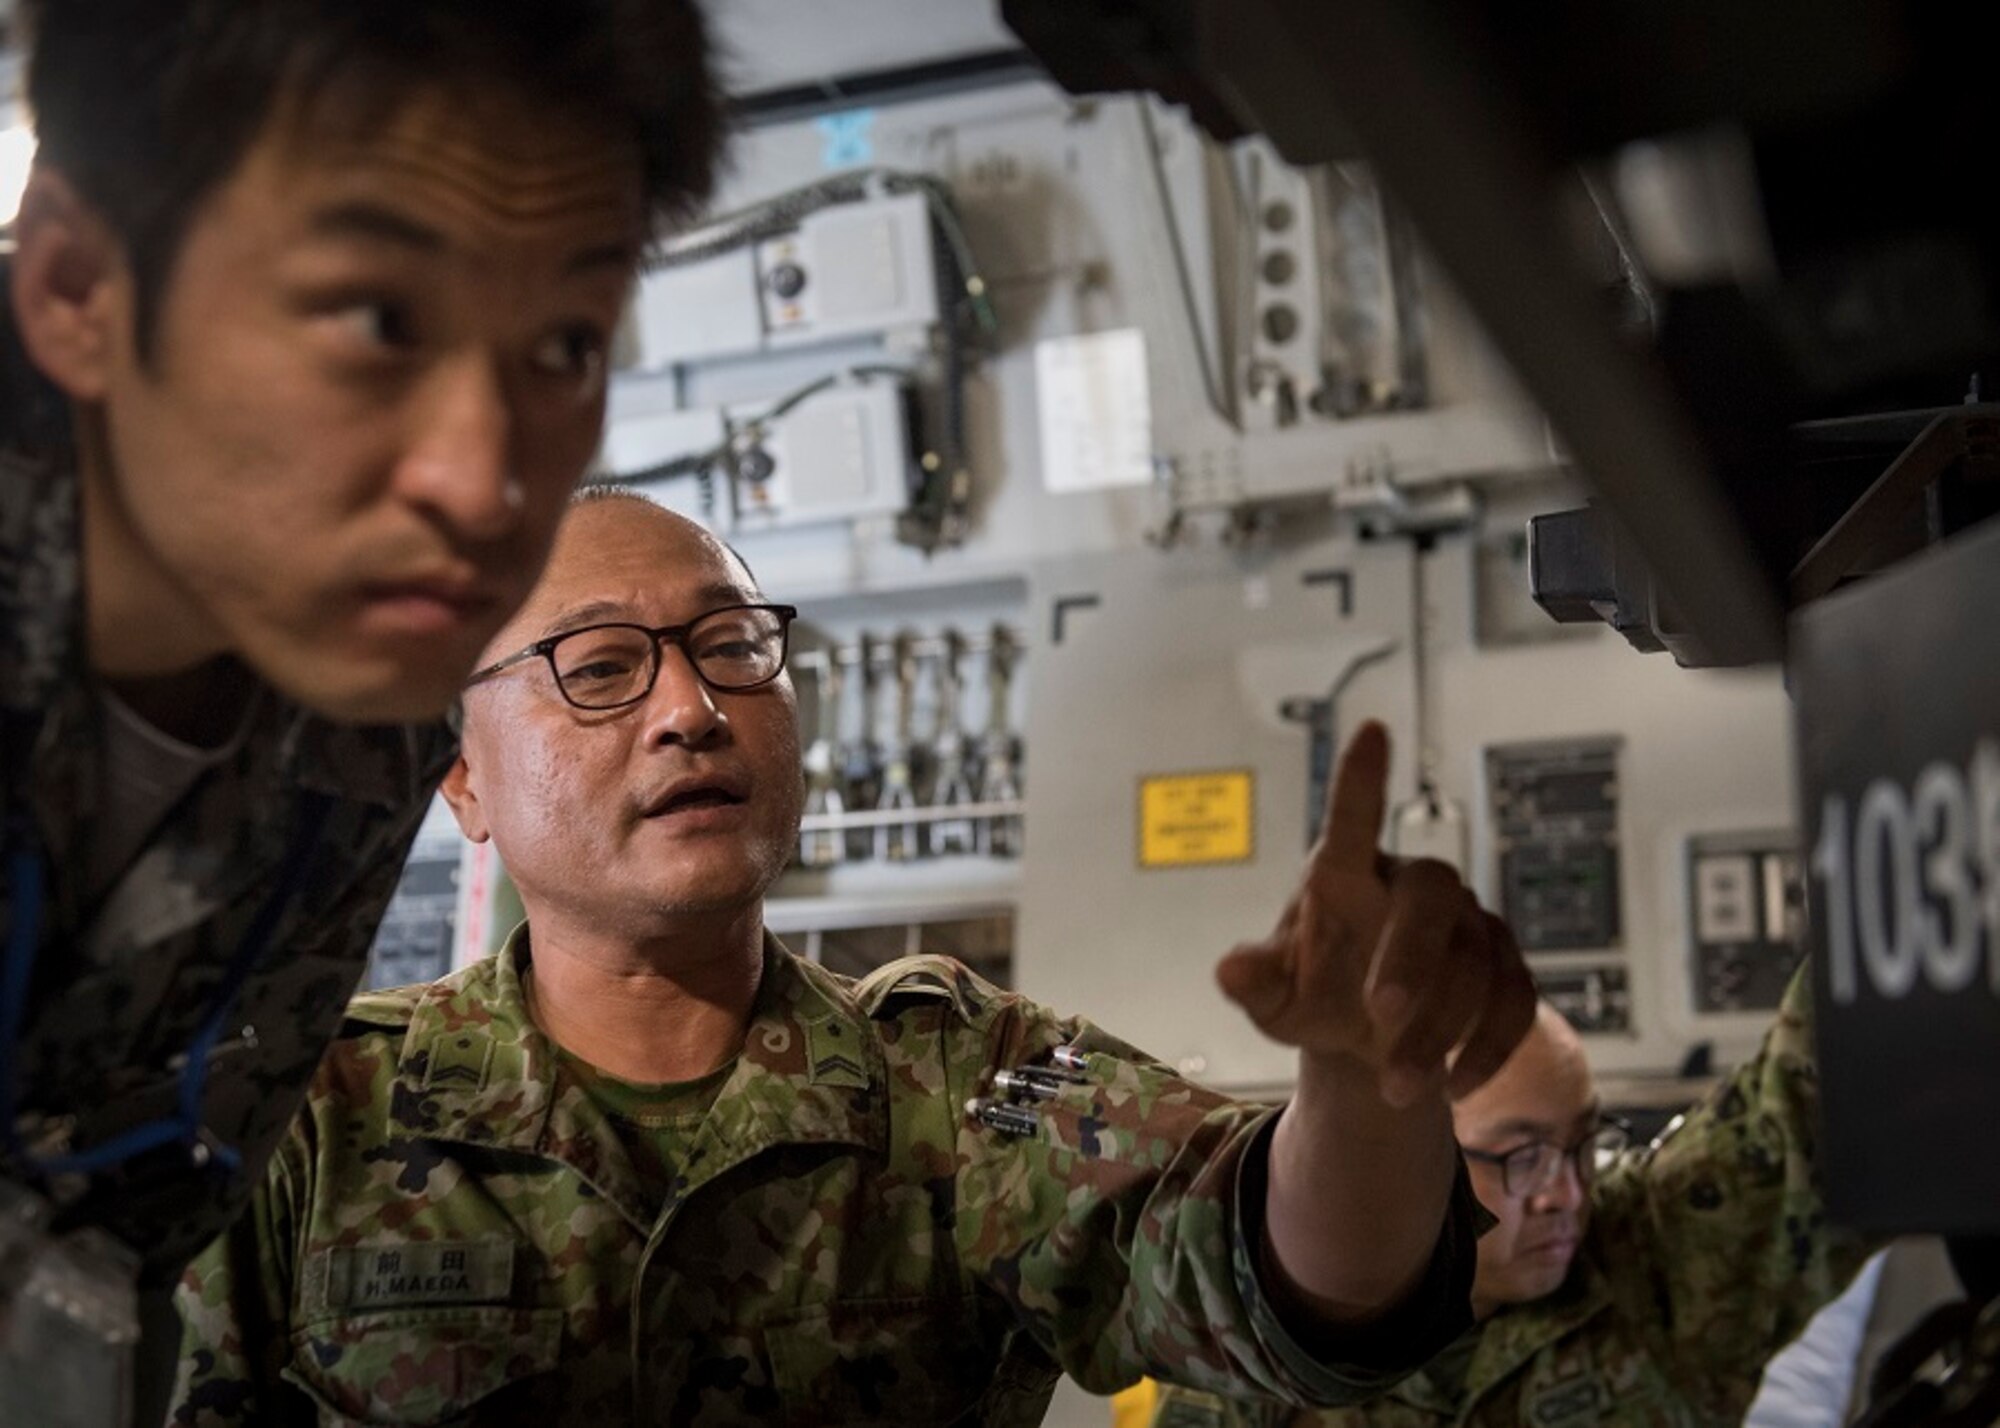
[1745,919]
[1597,1001]
[1555,820]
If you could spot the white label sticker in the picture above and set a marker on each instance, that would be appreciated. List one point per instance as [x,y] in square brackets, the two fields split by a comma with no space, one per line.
[1096,411]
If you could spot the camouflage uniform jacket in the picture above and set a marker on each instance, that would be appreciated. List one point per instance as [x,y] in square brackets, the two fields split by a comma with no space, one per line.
[1707,1252]
[122,982]
[453,1232]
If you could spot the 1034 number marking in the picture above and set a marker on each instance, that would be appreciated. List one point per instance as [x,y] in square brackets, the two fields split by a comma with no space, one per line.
[1912,881]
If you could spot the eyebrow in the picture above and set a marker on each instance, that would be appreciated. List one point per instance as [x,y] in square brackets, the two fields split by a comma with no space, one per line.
[1542,1130]
[623,257]
[378,224]
[1516,1129]
[588,613]
[713,596]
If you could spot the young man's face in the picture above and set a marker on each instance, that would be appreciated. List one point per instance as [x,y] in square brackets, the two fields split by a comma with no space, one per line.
[666,814]
[378,371]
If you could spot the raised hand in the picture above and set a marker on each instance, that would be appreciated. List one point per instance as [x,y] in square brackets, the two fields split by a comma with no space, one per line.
[1384,966]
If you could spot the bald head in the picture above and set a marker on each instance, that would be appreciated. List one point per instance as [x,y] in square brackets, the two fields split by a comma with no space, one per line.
[1547,1070]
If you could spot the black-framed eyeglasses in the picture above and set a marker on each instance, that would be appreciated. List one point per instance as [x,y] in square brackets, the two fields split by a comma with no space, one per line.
[1530,1169]
[609,666]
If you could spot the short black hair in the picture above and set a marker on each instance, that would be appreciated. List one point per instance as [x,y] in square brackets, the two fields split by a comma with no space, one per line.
[148,106]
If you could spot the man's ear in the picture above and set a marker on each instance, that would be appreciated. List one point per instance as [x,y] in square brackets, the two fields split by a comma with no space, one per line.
[72,288]
[464,800]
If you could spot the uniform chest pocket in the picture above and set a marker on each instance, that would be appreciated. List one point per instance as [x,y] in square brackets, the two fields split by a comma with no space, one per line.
[903,1361]
[398,1368]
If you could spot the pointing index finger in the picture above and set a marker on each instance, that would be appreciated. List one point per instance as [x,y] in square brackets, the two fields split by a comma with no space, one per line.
[1357,803]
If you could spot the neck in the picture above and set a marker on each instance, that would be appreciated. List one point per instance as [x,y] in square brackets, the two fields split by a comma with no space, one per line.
[671,1008]
[145,628]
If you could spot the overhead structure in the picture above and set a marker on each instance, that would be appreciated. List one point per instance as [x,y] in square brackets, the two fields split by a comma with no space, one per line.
[1783,188]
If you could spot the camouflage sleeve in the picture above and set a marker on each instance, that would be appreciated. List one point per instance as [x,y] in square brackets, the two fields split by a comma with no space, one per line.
[1715,1238]
[1127,1233]
[233,1301]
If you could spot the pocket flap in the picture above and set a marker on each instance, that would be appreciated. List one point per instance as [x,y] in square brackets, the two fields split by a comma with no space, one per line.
[399,1367]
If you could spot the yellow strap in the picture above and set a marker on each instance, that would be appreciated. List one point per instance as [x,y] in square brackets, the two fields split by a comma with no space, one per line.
[1134,1407]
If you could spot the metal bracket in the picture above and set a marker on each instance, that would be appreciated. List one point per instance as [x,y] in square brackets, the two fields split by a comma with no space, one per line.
[1955,438]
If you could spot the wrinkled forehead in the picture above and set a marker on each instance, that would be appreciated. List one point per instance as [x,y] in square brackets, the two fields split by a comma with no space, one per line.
[482,156]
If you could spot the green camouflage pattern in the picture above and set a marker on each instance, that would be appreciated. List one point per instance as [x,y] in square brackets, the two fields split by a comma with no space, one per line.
[452,1231]
[123,981]
[1707,1252]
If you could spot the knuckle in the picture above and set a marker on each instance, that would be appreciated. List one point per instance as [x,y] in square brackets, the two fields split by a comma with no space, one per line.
[1429,878]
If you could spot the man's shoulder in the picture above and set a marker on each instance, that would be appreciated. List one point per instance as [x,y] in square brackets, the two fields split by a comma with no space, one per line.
[377,1022]
[394,1008]
[929,982]
[936,994]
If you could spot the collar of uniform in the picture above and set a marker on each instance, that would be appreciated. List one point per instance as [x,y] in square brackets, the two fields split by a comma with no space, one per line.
[474,1067]
[1514,1336]
[390,765]
[811,1072]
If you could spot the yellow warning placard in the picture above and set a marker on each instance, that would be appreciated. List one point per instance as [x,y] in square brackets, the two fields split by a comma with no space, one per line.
[1186,820]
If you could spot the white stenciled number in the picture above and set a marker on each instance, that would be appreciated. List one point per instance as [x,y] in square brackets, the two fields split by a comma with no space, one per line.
[1912,881]
[1830,863]
[1948,927]
[1885,889]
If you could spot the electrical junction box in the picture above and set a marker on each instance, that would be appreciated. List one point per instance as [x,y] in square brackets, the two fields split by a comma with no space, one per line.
[645,426]
[851,271]
[698,312]
[865,269]
[842,453]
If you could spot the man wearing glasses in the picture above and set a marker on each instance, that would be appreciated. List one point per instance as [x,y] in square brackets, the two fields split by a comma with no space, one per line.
[648,1166]
[1626,1287]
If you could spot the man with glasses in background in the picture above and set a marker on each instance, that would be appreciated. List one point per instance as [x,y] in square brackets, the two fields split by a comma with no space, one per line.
[646,1165]
[1626,1287]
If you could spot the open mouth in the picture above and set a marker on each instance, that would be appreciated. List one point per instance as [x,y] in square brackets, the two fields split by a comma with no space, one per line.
[692,799]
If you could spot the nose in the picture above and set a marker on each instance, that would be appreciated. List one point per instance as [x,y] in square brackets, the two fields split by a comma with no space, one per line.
[681,709]
[459,464]
[1566,1191]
